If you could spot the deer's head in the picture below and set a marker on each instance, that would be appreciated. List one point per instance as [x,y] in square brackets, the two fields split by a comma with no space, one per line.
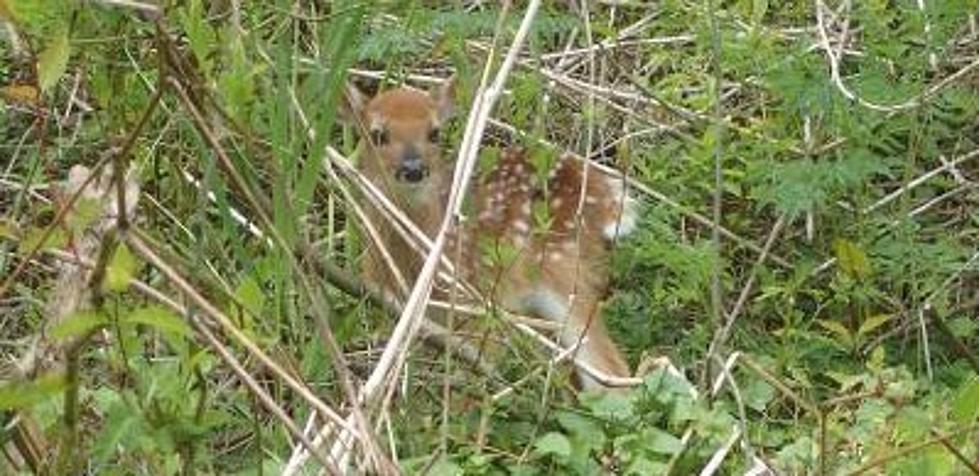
[402,131]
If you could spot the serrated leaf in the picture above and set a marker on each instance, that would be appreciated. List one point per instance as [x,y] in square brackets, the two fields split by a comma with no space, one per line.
[79,324]
[20,394]
[51,63]
[553,443]
[965,407]
[853,261]
[121,425]
[871,323]
[160,318]
[120,269]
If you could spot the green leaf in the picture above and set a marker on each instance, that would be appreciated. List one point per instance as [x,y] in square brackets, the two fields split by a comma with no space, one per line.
[8,229]
[853,261]
[32,237]
[121,269]
[6,13]
[18,394]
[51,63]
[965,407]
[553,443]
[758,10]
[250,295]
[160,318]
[843,335]
[659,441]
[122,426]
[612,406]
[757,394]
[445,467]
[871,323]
[79,324]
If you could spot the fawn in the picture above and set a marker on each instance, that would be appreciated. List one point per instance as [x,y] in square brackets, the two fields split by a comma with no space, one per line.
[556,271]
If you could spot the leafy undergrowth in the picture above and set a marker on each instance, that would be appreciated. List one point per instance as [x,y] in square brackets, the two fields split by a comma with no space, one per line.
[829,329]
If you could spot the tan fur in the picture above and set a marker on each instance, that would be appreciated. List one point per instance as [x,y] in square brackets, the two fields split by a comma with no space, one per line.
[557,270]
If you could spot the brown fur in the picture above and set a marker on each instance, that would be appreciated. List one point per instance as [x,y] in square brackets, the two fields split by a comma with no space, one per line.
[558,269]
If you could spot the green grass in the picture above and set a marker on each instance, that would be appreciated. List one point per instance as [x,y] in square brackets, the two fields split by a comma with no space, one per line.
[846,365]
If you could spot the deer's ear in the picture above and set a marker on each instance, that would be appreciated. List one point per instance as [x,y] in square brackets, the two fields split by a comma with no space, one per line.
[445,99]
[352,104]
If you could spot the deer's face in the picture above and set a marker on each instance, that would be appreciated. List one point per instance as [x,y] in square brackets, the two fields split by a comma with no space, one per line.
[403,134]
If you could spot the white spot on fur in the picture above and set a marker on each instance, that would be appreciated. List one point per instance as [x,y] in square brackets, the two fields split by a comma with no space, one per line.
[624,223]
[525,209]
[556,202]
[521,226]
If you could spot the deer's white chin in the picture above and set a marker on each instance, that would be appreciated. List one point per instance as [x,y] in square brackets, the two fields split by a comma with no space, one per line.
[420,191]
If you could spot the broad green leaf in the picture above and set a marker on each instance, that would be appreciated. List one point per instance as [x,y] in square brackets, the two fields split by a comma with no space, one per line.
[965,407]
[553,443]
[160,318]
[611,406]
[853,261]
[660,441]
[79,324]
[51,62]
[871,323]
[757,394]
[18,394]
[120,269]
[250,295]
[445,467]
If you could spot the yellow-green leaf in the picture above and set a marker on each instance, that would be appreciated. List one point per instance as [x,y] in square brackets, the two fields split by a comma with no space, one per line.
[853,261]
[6,13]
[250,295]
[873,322]
[160,318]
[121,269]
[32,237]
[965,407]
[19,394]
[8,229]
[51,63]
[78,324]
[843,334]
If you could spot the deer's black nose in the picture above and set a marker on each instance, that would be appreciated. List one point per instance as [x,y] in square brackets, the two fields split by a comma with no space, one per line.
[412,168]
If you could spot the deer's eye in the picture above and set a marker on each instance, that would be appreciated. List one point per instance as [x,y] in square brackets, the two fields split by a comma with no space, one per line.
[434,135]
[379,136]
